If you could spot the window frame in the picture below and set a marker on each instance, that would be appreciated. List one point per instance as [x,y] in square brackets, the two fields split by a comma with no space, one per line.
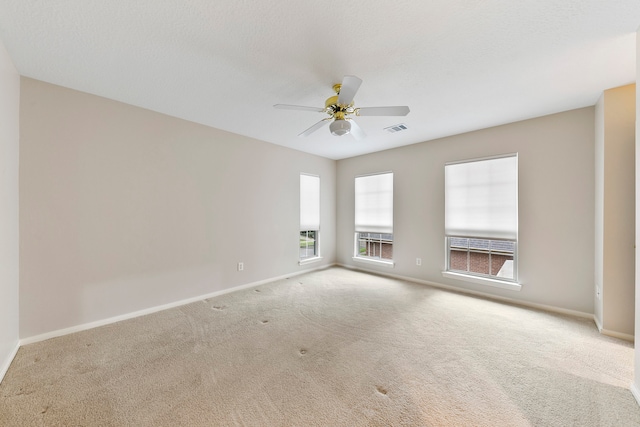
[305,212]
[316,246]
[375,260]
[511,283]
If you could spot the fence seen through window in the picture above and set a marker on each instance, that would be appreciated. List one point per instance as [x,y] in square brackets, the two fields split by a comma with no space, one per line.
[375,245]
[482,256]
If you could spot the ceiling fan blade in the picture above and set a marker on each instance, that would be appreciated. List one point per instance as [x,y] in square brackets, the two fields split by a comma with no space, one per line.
[299,107]
[348,89]
[315,127]
[357,131]
[382,111]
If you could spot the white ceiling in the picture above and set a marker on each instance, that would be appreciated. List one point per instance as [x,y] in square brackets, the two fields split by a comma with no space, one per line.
[460,65]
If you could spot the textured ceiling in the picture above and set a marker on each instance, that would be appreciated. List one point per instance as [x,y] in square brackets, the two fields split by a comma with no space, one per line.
[460,65]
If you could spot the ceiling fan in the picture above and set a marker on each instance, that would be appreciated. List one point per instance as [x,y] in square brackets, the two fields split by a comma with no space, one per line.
[340,106]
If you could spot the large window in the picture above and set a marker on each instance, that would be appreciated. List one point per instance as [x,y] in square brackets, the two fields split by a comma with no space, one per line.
[309,216]
[374,217]
[481,217]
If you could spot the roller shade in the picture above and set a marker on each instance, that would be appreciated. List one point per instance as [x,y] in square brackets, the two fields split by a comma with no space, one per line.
[481,198]
[374,203]
[309,202]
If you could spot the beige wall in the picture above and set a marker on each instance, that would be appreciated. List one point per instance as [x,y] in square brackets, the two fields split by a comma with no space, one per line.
[124,209]
[615,211]
[9,142]
[556,215]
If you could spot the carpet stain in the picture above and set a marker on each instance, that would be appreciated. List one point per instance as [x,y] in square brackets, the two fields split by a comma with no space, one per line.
[265,321]
[219,307]
[303,351]
[381,390]
[23,392]
[83,369]
[256,290]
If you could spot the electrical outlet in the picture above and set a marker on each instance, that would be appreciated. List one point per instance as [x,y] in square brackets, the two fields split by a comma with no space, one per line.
[240,266]
[418,261]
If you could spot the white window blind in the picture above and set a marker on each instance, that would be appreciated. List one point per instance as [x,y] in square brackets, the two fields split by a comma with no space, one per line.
[374,203]
[309,202]
[481,198]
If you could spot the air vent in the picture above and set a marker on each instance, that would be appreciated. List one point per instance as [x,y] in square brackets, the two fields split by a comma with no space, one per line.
[396,128]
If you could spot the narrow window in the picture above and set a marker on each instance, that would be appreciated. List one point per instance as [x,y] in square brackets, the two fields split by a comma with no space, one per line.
[481,217]
[374,217]
[309,216]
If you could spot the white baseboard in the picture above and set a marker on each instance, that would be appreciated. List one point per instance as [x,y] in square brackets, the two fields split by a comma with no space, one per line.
[98,323]
[636,392]
[614,334]
[544,307]
[5,365]
[127,316]
[620,335]
[597,322]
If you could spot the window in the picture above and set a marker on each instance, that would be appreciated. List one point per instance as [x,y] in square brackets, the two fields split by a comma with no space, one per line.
[374,218]
[309,216]
[481,217]
[308,244]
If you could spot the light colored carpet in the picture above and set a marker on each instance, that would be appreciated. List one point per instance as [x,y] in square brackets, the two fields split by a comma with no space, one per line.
[328,348]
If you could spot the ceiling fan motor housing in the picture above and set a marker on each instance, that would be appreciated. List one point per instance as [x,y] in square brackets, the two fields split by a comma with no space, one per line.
[331,102]
[339,106]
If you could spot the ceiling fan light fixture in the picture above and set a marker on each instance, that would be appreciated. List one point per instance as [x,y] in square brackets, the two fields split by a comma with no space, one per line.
[340,127]
[341,105]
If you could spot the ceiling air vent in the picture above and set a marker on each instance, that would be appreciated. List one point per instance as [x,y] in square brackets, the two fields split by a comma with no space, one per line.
[396,128]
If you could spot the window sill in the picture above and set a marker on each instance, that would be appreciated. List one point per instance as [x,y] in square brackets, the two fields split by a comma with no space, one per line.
[383,263]
[309,260]
[512,286]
